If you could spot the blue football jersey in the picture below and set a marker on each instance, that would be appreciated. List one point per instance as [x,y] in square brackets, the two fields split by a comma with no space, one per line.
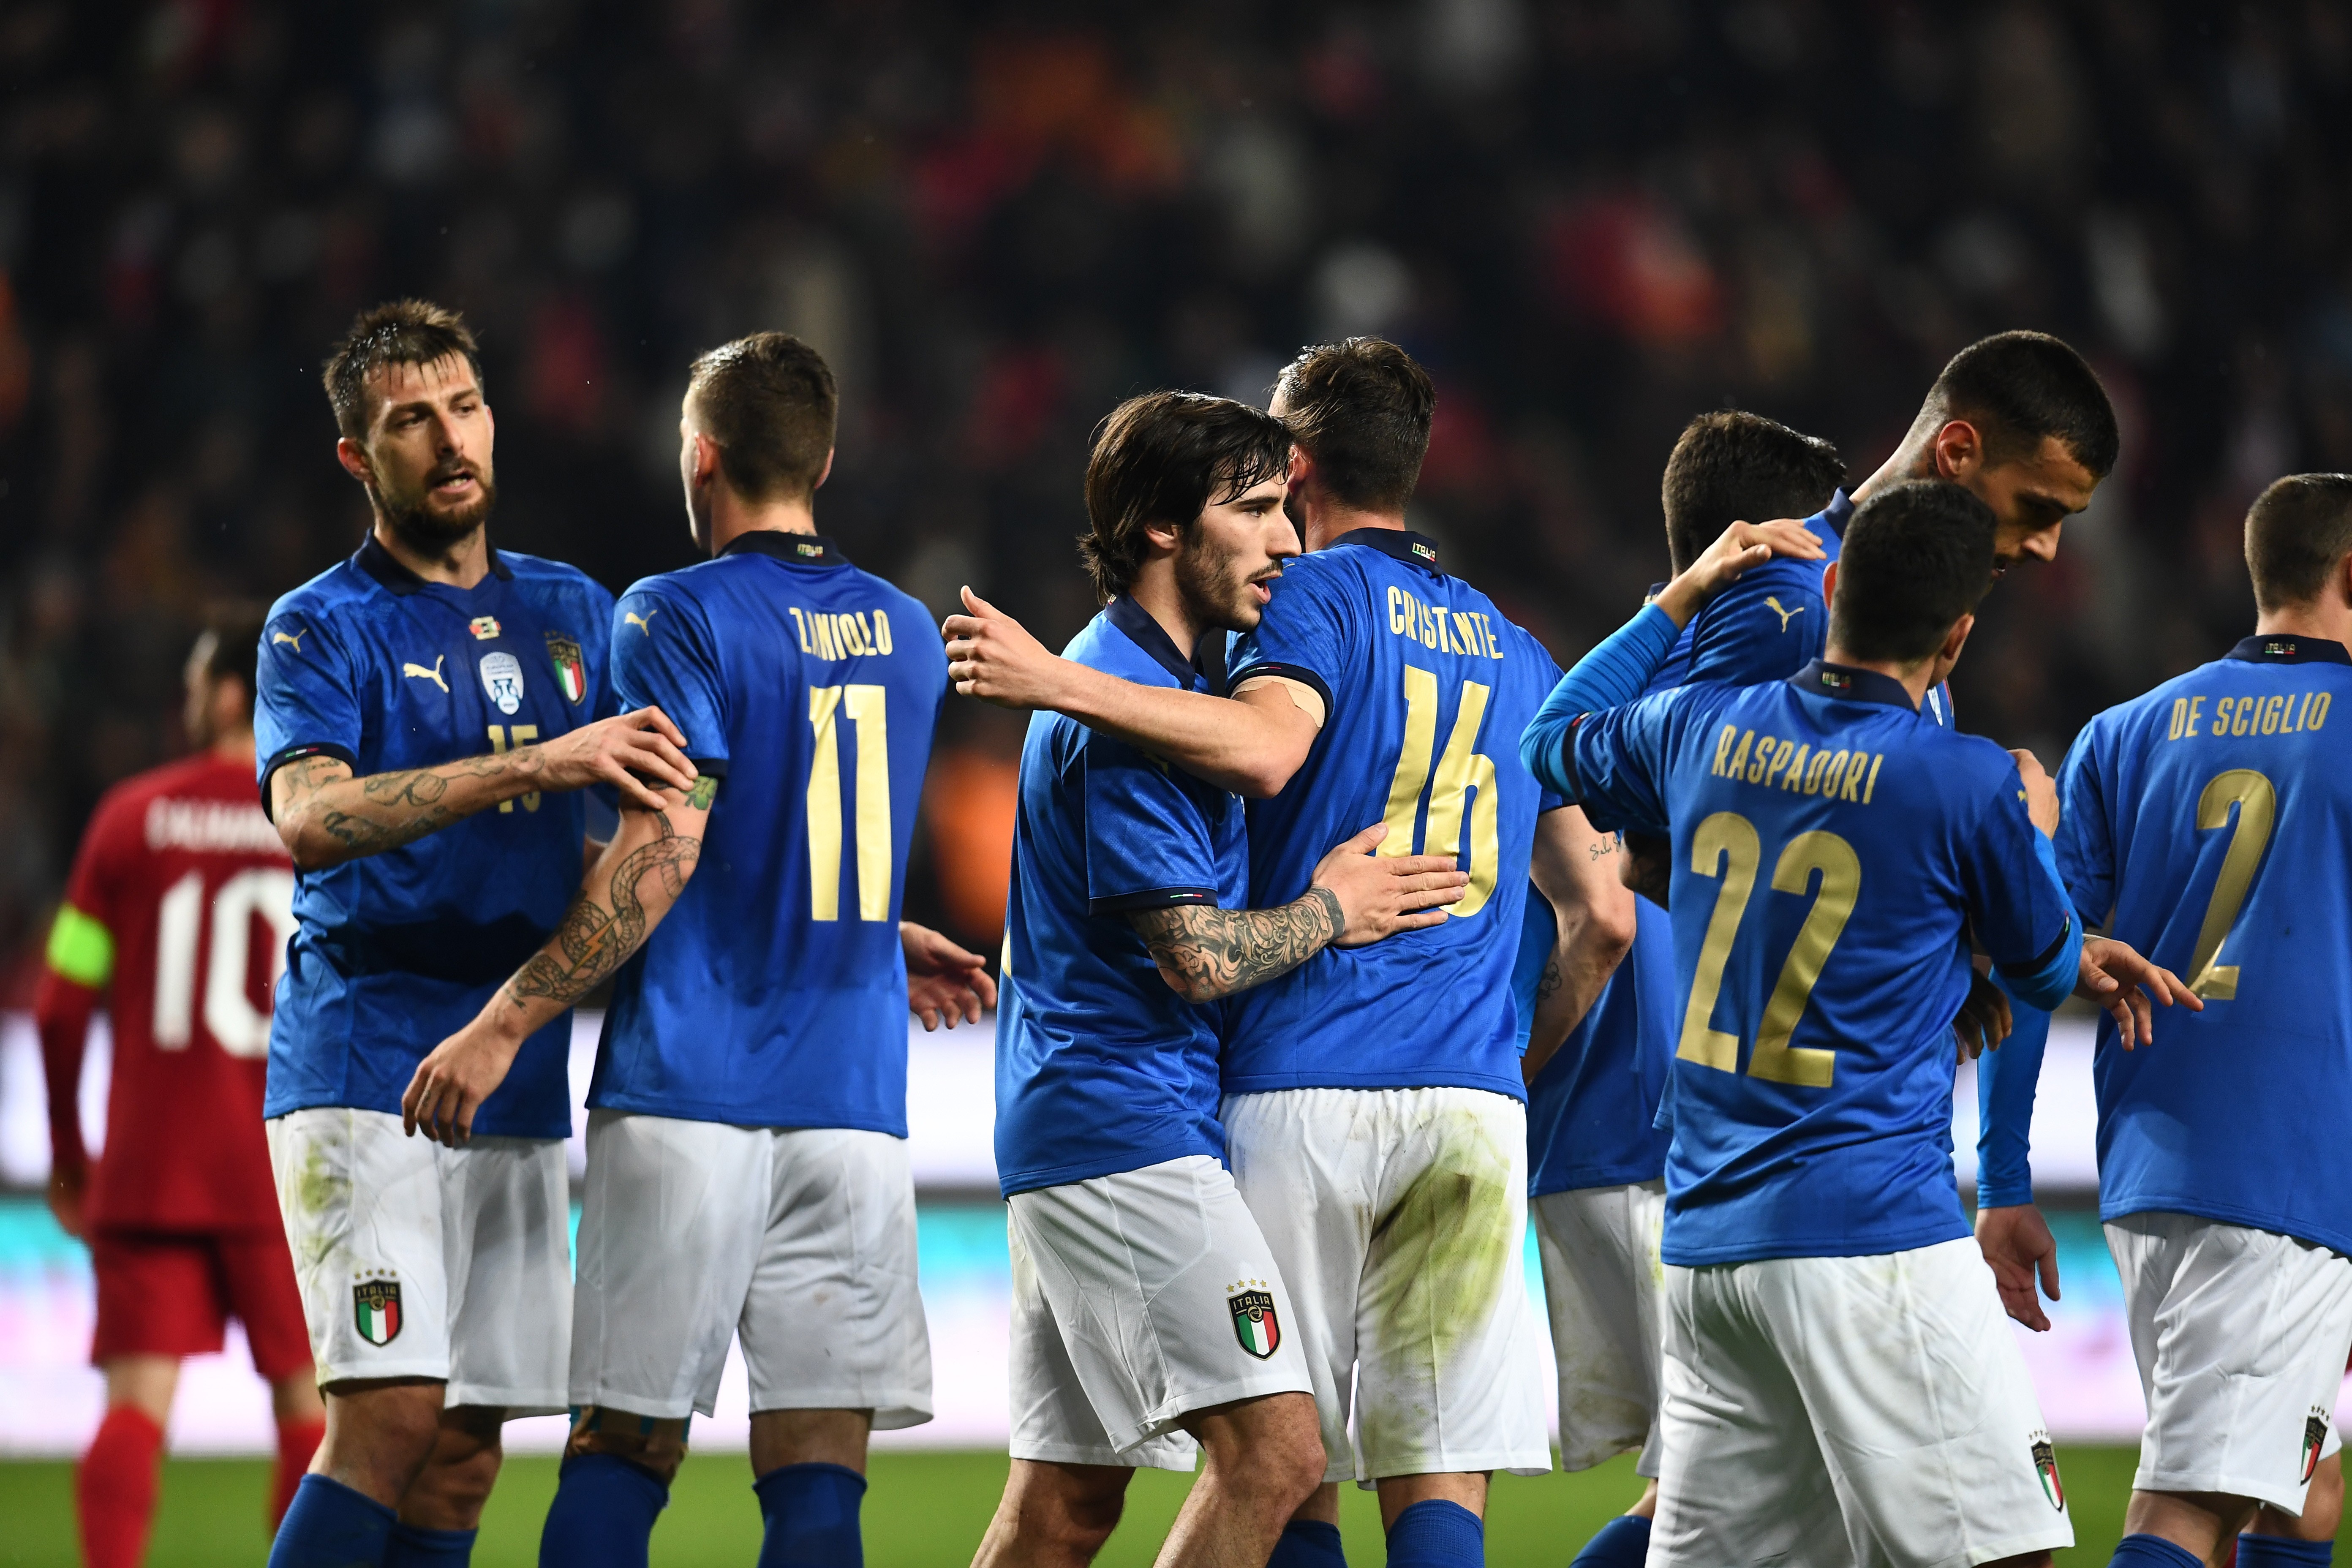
[1426,689]
[1830,844]
[394,951]
[2208,824]
[774,993]
[1100,1066]
[1591,1109]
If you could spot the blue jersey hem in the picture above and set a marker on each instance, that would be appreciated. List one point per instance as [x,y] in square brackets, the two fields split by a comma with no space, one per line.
[1270,1082]
[273,1108]
[2198,1208]
[1825,1246]
[1011,1182]
[1599,1176]
[733,1115]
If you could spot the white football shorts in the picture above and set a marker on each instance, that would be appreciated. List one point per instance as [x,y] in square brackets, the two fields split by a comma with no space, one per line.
[800,1241]
[419,1260]
[1872,1412]
[1399,1218]
[1137,1299]
[2240,1337]
[1607,1294]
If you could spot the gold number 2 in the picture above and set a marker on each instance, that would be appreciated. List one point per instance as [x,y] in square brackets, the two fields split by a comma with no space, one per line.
[1459,773]
[1726,845]
[2257,805]
[865,707]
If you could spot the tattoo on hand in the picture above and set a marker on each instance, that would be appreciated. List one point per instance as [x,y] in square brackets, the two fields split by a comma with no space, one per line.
[593,942]
[1212,952]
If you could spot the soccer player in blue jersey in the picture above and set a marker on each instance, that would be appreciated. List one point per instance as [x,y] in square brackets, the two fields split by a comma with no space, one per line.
[2208,823]
[1386,1165]
[422,710]
[1838,1370]
[1596,1162]
[1149,1311]
[747,1157]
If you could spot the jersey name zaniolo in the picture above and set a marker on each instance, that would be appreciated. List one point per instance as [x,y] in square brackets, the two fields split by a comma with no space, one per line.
[394,950]
[1425,687]
[774,992]
[1830,844]
[2208,824]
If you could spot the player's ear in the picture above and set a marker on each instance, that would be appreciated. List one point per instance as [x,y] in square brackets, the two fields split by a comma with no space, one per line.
[1959,451]
[825,473]
[1828,584]
[353,458]
[1955,640]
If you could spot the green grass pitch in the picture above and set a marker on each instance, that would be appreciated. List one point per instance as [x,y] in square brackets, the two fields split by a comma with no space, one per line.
[925,1511]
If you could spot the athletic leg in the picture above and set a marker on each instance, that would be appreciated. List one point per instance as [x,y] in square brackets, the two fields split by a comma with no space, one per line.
[1261,1459]
[1054,1515]
[808,1468]
[380,1436]
[115,1484]
[301,1417]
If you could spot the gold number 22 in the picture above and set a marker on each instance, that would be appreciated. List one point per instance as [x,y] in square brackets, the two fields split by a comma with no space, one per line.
[864,706]
[2257,805]
[1726,845]
[1460,773]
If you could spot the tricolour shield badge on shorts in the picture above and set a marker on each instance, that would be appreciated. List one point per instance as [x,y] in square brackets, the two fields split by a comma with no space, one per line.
[1254,1323]
[571,671]
[2314,1437]
[2045,1465]
[375,1309]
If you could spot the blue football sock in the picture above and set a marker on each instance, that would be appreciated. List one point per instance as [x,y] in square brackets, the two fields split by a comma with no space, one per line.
[1437,1534]
[812,1514]
[330,1526]
[603,1514]
[2278,1551]
[1307,1543]
[414,1546]
[2151,1551]
[1623,1542]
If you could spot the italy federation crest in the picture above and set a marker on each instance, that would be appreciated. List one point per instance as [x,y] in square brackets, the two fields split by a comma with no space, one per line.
[571,671]
[375,1309]
[2045,1465]
[502,679]
[1254,1323]
[2314,1437]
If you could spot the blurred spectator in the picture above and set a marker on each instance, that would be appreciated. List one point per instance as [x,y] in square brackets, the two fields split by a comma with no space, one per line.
[1589,217]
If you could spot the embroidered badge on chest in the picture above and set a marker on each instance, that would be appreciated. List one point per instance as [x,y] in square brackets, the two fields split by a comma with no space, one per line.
[502,679]
[484,628]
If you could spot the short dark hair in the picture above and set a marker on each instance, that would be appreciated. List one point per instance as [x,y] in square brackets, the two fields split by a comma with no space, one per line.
[1730,466]
[1915,559]
[398,332]
[1361,408]
[235,626]
[769,402]
[2297,533]
[2021,387]
[1163,457]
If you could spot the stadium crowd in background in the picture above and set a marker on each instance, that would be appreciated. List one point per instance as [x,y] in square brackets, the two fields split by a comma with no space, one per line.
[1588,218]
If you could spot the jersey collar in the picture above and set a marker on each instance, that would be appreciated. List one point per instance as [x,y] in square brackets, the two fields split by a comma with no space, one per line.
[1402,543]
[1208,662]
[1844,683]
[2286,648]
[386,567]
[791,548]
[1837,514]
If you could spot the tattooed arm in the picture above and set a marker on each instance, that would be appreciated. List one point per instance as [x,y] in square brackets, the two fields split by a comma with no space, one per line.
[1576,868]
[635,881]
[327,816]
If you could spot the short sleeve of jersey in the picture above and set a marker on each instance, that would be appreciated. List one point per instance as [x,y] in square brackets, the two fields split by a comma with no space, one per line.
[2086,845]
[2015,902]
[306,701]
[1620,757]
[1148,845]
[664,656]
[1304,633]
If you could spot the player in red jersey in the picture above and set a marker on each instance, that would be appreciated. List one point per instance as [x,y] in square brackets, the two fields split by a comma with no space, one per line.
[177,914]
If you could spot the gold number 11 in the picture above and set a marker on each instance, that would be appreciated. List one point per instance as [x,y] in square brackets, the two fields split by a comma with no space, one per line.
[865,705]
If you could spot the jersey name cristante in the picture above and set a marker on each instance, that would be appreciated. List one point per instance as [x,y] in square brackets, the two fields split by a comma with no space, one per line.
[2284,713]
[1776,763]
[1468,632]
[216,825]
[855,634]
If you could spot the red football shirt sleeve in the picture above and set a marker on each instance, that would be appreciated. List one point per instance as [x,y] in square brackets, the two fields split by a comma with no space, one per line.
[79,964]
